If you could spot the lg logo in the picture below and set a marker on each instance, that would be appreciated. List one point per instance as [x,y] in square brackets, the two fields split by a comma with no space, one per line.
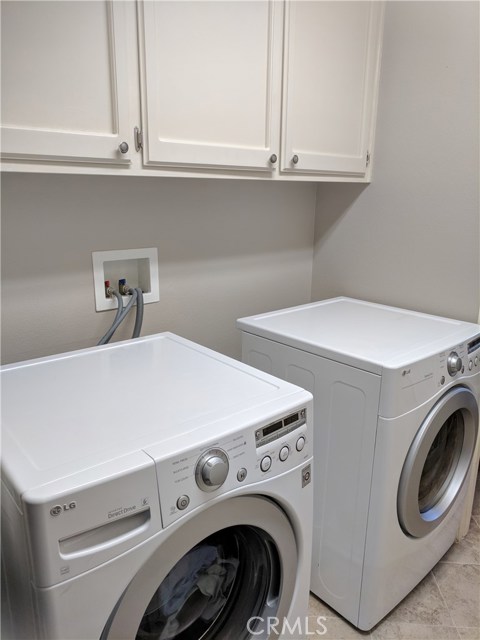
[58,508]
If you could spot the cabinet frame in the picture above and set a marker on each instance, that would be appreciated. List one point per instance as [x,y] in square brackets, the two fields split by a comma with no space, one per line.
[50,150]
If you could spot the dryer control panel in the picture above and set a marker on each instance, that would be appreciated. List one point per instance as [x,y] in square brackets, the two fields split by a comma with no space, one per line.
[407,387]
[462,359]
[473,354]
[246,457]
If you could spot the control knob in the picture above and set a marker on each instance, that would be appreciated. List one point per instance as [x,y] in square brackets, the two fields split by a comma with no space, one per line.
[454,363]
[212,470]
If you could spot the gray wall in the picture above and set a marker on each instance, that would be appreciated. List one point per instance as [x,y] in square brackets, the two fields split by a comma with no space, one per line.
[226,249]
[411,238]
[231,248]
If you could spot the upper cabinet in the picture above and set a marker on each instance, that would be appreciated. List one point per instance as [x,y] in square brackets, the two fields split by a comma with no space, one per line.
[211,74]
[64,83]
[261,88]
[331,69]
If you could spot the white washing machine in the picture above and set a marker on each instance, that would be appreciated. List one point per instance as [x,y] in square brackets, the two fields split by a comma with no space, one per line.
[396,398]
[153,489]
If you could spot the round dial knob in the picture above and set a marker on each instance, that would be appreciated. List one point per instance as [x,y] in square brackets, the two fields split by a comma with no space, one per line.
[212,470]
[454,363]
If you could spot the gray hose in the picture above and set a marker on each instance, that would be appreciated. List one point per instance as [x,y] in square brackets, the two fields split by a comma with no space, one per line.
[139,315]
[119,304]
[119,319]
[119,298]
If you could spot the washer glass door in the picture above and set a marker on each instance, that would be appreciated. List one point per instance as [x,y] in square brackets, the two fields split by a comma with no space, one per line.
[437,463]
[222,586]
[213,585]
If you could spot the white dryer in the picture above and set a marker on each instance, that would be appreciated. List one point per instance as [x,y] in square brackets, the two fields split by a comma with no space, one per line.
[396,397]
[153,489]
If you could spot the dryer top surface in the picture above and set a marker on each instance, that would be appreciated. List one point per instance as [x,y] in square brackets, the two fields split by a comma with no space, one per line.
[66,413]
[363,334]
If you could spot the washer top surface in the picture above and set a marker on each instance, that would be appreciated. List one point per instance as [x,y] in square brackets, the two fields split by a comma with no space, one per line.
[64,414]
[363,334]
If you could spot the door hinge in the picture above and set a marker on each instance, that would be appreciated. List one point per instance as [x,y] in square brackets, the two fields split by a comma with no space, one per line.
[137,134]
[368,159]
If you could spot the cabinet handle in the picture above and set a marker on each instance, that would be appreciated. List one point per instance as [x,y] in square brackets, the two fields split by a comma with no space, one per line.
[123,146]
[273,158]
[295,159]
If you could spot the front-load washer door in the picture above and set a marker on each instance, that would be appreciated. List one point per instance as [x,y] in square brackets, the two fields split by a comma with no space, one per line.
[219,576]
[437,462]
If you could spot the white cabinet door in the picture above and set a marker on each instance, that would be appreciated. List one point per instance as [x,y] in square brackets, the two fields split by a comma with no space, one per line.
[330,79]
[64,81]
[211,82]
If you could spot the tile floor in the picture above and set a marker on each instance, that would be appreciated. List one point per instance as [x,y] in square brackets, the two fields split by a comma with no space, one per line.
[444,606]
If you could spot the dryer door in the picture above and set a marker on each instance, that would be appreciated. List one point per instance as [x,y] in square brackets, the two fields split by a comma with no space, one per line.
[437,463]
[219,576]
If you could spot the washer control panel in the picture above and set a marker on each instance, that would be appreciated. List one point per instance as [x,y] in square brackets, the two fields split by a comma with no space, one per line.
[280,428]
[200,474]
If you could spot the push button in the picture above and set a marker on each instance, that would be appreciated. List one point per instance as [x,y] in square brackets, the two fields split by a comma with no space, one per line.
[266,463]
[183,502]
[241,474]
[283,455]
[300,443]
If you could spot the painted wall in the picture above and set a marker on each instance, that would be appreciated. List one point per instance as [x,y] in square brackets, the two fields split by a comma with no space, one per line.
[226,249]
[231,248]
[411,238]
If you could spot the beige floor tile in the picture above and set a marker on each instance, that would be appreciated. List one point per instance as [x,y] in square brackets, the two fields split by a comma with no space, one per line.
[424,605]
[409,631]
[469,633]
[335,629]
[459,585]
[467,551]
